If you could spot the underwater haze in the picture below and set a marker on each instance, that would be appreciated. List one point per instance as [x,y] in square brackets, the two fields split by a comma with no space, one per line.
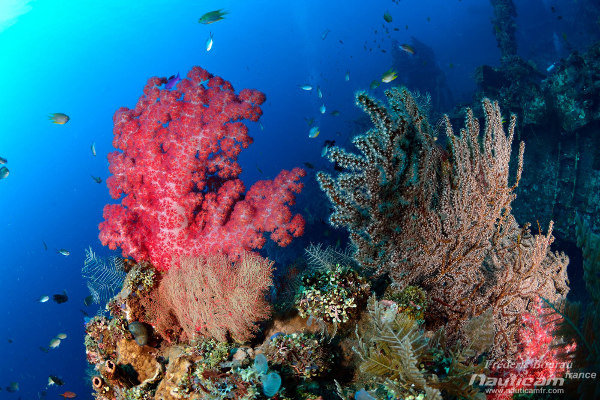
[86,59]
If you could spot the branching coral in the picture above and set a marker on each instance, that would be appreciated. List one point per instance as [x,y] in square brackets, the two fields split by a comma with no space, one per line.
[412,301]
[441,218]
[300,353]
[396,355]
[332,295]
[141,278]
[210,351]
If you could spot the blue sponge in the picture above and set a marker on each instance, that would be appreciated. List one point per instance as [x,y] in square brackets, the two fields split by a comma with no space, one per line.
[271,384]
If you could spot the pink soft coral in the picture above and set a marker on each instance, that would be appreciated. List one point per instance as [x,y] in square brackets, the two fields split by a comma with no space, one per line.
[539,361]
[177,175]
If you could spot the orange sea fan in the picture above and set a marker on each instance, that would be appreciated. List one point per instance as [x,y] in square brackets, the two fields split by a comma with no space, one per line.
[213,297]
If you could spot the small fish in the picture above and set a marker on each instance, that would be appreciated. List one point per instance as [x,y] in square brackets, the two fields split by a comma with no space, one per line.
[96,179]
[319,93]
[212,16]
[389,76]
[326,146]
[13,387]
[43,299]
[59,118]
[45,245]
[10,340]
[54,343]
[314,132]
[374,84]
[55,380]
[347,76]
[551,67]
[3,160]
[61,336]
[428,19]
[322,109]
[324,34]
[309,165]
[305,87]
[60,298]
[387,17]
[88,300]
[68,395]
[335,113]
[309,121]
[44,349]
[258,169]
[262,128]
[172,81]
[93,148]
[407,48]
[64,252]
[209,42]
[4,172]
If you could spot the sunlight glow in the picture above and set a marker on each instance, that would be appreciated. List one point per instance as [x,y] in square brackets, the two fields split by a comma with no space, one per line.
[10,10]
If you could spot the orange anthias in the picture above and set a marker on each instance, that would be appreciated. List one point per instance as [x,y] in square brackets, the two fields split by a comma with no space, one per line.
[68,395]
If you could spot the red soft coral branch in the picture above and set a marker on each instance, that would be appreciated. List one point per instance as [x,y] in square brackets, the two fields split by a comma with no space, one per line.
[539,360]
[177,176]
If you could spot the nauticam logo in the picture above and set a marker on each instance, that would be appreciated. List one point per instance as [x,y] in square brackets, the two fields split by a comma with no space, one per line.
[524,381]
[514,380]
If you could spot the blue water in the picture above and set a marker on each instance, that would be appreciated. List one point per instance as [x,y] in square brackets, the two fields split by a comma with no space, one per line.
[88,58]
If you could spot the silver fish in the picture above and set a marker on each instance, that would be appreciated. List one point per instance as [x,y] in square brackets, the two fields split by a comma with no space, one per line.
[209,42]
[43,299]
